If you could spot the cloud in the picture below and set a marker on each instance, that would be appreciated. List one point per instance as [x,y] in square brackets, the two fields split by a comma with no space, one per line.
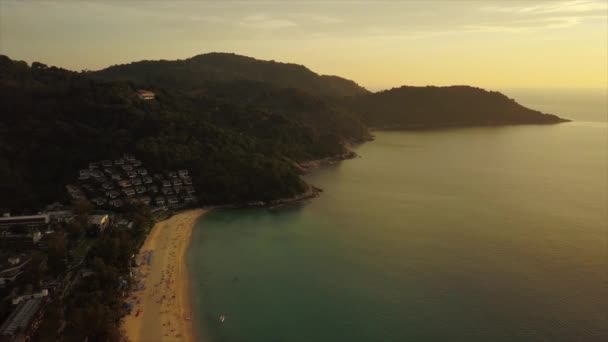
[525,26]
[576,6]
[546,15]
[266,22]
[206,18]
[316,18]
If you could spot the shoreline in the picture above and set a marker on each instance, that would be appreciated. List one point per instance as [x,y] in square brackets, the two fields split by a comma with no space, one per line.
[167,314]
[428,127]
[161,296]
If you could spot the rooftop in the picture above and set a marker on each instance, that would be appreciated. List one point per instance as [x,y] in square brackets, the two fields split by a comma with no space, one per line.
[21,317]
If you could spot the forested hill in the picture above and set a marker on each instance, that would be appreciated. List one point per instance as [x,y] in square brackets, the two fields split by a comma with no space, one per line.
[287,91]
[55,121]
[340,104]
[239,135]
[196,73]
[433,107]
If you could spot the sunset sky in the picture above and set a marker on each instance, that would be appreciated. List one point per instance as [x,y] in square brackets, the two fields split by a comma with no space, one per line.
[494,44]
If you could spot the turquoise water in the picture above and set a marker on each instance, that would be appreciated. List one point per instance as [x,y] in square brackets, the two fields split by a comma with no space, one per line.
[481,234]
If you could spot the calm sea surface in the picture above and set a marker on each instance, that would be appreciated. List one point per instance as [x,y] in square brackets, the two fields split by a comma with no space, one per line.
[480,234]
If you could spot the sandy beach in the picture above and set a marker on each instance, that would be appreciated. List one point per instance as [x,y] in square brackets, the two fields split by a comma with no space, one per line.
[161,303]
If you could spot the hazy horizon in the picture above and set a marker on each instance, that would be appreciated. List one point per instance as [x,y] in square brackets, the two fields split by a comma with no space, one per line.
[491,44]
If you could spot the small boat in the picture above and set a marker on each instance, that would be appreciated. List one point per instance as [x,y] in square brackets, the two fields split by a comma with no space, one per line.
[222,318]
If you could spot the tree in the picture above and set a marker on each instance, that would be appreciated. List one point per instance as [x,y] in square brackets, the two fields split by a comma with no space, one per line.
[142,220]
[53,318]
[57,253]
[75,228]
[96,322]
[82,209]
[36,269]
[39,66]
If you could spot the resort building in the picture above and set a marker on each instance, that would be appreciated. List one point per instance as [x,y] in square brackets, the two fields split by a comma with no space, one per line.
[20,319]
[84,174]
[113,194]
[124,183]
[116,203]
[96,173]
[145,94]
[11,270]
[100,200]
[43,293]
[30,221]
[61,215]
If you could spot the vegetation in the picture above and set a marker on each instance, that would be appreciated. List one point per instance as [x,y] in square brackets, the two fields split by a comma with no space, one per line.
[102,281]
[432,107]
[289,108]
[239,124]
[287,120]
[197,72]
[55,121]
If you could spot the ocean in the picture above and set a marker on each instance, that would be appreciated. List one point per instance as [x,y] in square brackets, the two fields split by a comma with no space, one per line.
[472,234]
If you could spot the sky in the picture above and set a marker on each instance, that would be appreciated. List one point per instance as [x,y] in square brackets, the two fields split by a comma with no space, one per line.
[492,44]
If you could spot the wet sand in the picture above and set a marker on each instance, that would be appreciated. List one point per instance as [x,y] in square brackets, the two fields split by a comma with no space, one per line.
[161,302]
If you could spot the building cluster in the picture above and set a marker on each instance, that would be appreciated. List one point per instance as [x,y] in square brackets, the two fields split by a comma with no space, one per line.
[20,320]
[22,233]
[109,185]
[115,183]
[20,238]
